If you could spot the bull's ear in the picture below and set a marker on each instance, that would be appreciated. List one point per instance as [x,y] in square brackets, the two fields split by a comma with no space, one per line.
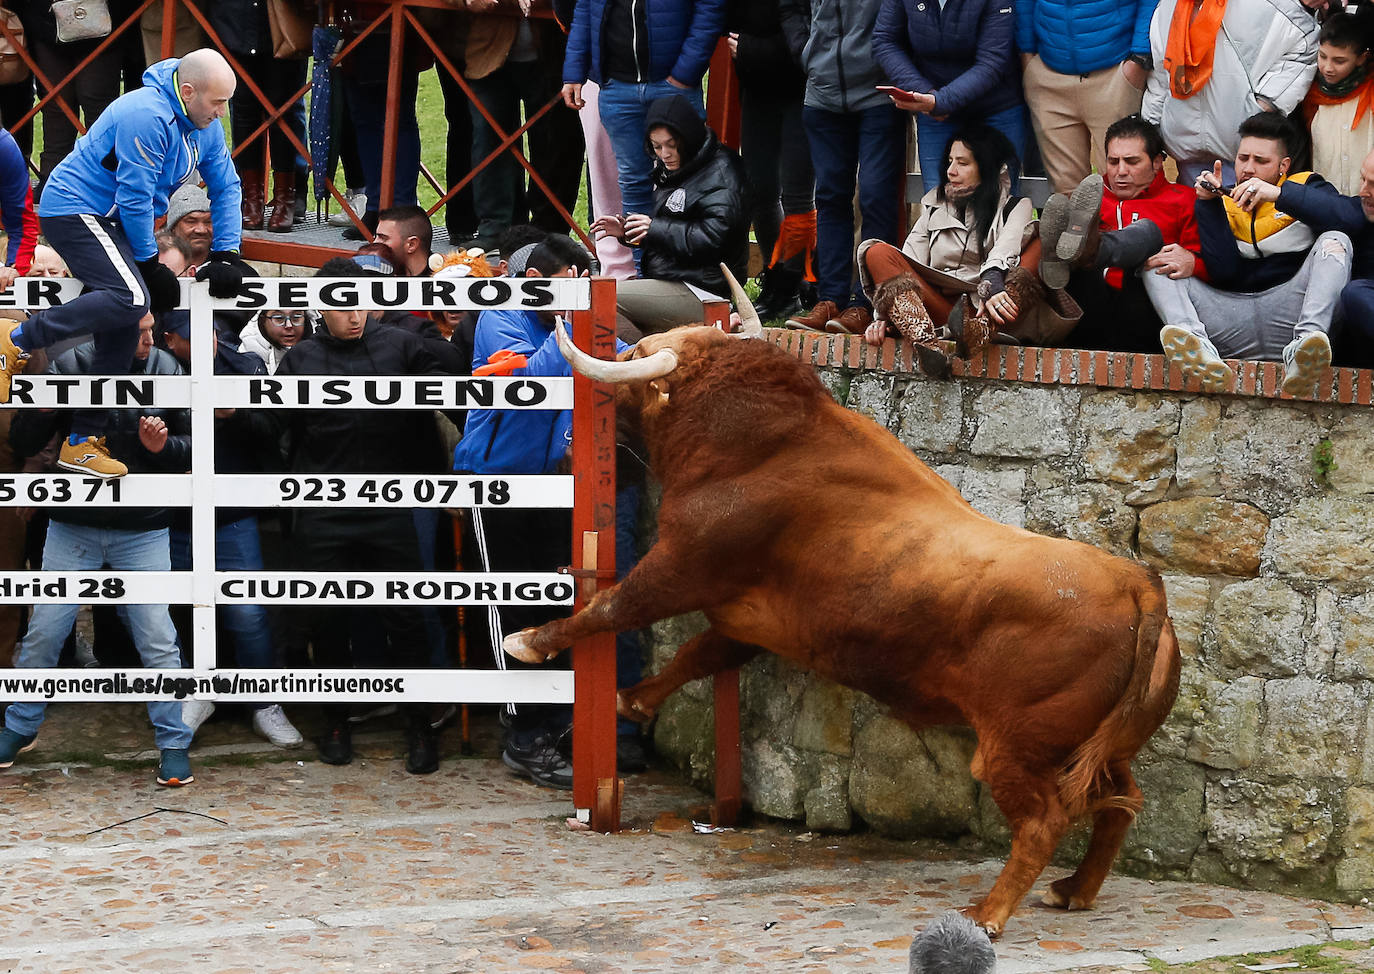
[658,392]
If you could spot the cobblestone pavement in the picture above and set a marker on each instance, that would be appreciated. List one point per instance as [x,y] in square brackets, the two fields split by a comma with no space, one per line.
[273,862]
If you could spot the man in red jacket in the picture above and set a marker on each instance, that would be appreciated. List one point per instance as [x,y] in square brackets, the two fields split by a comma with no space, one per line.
[1101,267]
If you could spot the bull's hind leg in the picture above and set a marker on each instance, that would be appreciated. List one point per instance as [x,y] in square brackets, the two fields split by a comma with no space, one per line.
[664,583]
[1110,824]
[703,655]
[1030,801]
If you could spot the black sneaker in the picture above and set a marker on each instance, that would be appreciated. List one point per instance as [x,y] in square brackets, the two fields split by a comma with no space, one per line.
[336,745]
[541,761]
[422,750]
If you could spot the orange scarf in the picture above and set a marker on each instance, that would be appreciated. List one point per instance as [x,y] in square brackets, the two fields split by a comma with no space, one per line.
[1365,93]
[1192,44]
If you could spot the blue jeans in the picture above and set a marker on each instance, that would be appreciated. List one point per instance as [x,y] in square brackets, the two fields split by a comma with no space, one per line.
[366,93]
[932,136]
[237,548]
[426,526]
[838,142]
[1354,339]
[623,106]
[629,651]
[73,547]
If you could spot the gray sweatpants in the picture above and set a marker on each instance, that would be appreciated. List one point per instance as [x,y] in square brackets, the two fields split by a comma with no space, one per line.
[1259,325]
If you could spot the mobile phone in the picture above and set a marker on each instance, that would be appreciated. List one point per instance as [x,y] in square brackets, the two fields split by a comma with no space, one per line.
[890,90]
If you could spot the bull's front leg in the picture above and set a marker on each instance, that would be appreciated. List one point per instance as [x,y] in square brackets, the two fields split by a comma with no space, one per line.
[664,583]
[705,654]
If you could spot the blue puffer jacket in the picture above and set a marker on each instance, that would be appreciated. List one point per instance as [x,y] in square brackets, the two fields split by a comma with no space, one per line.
[682,37]
[1079,36]
[138,152]
[964,55]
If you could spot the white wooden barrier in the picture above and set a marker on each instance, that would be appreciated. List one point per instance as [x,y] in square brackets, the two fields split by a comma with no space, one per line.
[202,490]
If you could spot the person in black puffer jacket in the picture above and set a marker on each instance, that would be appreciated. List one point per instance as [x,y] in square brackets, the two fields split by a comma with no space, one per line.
[700,220]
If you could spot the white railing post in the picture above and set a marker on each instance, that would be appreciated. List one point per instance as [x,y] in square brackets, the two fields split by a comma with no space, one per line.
[202,476]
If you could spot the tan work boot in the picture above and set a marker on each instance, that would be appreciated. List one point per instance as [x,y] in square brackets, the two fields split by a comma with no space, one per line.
[91,458]
[850,321]
[12,358]
[816,318]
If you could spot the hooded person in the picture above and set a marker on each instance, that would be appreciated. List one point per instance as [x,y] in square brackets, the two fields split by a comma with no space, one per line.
[271,333]
[700,220]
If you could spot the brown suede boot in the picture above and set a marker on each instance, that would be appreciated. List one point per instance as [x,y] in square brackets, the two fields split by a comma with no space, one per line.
[972,330]
[1026,289]
[283,202]
[899,303]
[251,180]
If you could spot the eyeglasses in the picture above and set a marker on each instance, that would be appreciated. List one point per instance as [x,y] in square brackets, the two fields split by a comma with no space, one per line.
[295,319]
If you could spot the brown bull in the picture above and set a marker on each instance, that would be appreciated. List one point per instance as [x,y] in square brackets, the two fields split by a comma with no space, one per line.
[804,529]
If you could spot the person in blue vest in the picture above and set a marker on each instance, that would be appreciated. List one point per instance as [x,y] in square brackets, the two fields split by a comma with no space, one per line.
[98,210]
[1084,64]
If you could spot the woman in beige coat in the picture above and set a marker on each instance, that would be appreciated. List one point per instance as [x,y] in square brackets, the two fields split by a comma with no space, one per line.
[969,262]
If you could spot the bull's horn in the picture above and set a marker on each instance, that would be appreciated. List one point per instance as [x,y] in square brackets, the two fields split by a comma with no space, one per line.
[750,325]
[635,370]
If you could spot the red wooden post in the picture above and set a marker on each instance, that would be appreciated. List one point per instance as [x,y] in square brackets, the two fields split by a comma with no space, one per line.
[729,777]
[169,27]
[390,133]
[595,784]
[716,313]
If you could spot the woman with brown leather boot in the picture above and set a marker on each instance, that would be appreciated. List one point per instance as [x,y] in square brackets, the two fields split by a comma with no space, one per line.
[968,264]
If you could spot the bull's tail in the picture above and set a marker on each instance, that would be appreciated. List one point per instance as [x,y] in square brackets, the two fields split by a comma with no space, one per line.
[1085,782]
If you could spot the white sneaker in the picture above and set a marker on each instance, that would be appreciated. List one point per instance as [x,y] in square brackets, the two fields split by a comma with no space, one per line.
[1197,357]
[1305,361]
[339,218]
[196,712]
[271,723]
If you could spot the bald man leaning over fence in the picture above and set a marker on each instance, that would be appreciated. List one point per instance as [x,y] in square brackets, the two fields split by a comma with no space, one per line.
[98,210]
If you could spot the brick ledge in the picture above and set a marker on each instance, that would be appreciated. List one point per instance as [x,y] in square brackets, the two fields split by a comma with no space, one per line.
[1067,366]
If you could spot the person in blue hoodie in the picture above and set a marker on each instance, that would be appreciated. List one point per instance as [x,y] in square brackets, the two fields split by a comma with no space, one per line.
[98,210]
[525,441]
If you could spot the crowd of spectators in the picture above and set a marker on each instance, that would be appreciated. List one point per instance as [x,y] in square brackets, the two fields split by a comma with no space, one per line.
[1213,198]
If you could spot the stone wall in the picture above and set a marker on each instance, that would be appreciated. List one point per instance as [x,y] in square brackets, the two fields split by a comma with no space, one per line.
[1258,511]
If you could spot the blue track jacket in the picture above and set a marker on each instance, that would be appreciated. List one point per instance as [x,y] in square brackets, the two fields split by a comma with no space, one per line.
[138,152]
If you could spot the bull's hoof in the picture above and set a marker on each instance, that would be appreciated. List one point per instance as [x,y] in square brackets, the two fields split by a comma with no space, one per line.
[517,644]
[991,925]
[1061,896]
[632,709]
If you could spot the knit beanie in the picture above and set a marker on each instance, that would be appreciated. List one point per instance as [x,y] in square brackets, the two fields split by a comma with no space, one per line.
[185,201]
